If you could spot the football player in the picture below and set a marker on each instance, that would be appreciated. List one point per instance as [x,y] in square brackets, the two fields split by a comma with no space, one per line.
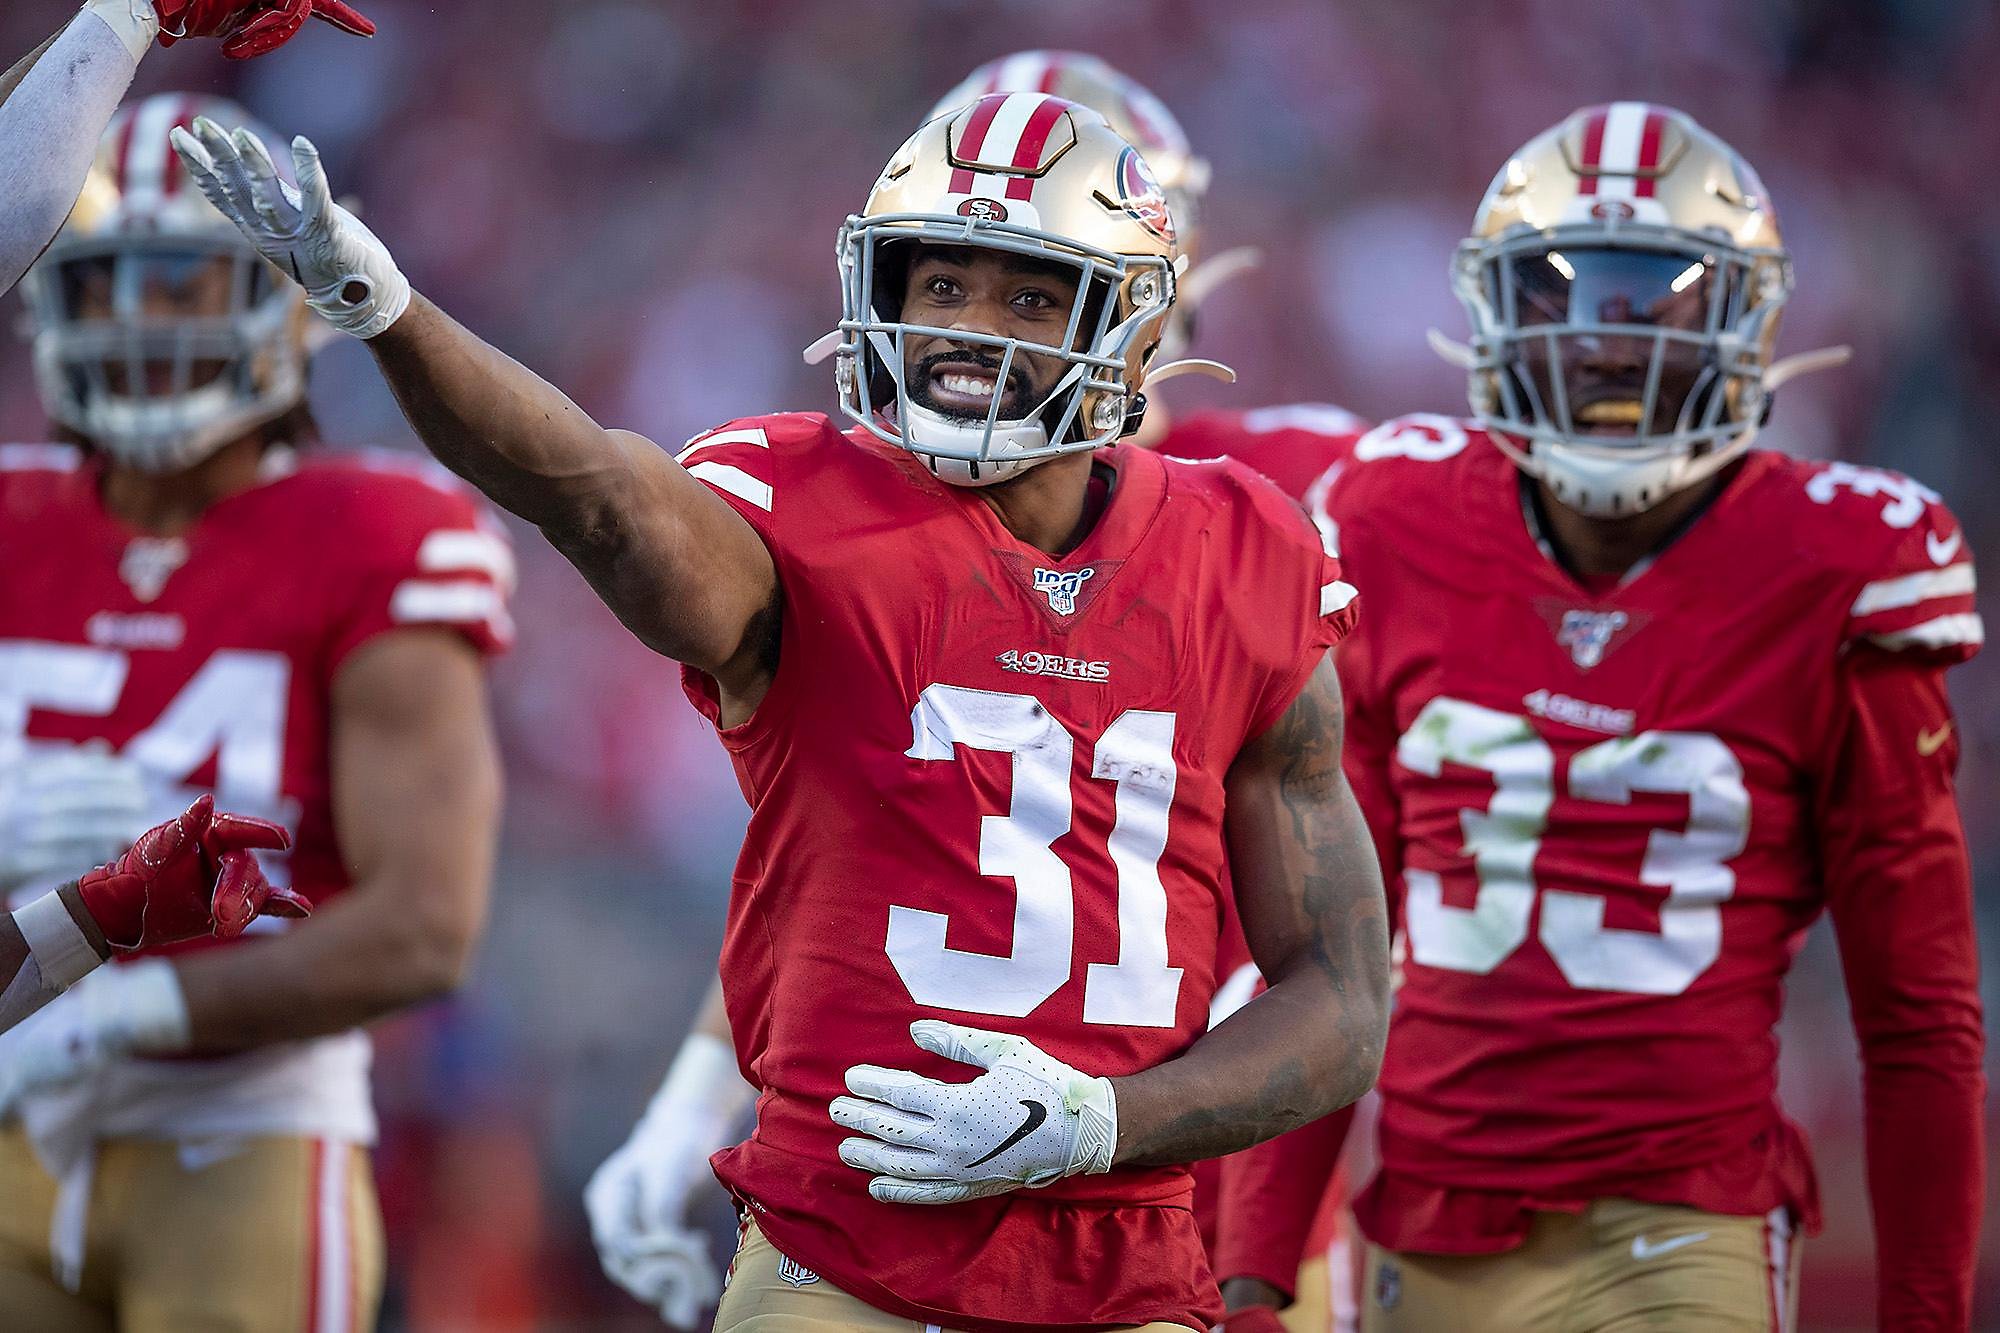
[638,1199]
[986,676]
[193,601]
[191,876]
[1643,703]
[56,100]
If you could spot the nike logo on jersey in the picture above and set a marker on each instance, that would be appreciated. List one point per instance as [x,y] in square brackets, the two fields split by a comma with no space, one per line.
[1941,552]
[204,1153]
[1930,742]
[1037,1113]
[1642,1251]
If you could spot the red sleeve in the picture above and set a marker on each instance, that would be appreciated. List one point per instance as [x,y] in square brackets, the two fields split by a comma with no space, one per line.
[424,555]
[1310,605]
[1899,887]
[1268,1197]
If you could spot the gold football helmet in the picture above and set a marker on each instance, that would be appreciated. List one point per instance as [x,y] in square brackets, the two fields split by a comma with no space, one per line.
[1624,279]
[1142,120]
[1026,174]
[159,332]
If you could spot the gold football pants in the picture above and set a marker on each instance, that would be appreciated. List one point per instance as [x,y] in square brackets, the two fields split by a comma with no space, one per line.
[214,1234]
[1616,1267]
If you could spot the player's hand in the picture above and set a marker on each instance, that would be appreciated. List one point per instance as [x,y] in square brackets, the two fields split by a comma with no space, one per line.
[1028,1120]
[65,808]
[348,275]
[249,28]
[637,1201]
[193,875]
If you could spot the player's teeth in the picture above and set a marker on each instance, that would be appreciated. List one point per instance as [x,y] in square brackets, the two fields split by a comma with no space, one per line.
[971,384]
[1619,412]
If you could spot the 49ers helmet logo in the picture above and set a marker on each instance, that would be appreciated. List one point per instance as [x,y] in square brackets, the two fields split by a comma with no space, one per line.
[985,210]
[1140,195]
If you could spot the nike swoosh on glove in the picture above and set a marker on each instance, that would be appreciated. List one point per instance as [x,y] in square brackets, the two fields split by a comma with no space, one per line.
[1028,1121]
[349,277]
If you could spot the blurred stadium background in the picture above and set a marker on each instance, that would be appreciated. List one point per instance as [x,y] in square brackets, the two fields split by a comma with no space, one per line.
[639,199]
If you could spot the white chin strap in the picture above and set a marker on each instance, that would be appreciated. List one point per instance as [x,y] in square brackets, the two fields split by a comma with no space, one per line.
[1598,485]
[165,435]
[925,432]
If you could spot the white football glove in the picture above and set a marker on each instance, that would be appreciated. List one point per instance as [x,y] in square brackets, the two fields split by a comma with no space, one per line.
[1027,1121]
[348,275]
[638,1199]
[66,809]
[115,1011]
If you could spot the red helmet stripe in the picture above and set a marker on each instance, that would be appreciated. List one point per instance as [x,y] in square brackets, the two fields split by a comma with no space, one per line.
[1649,152]
[170,180]
[1028,150]
[1593,149]
[974,138]
[121,162]
[1052,75]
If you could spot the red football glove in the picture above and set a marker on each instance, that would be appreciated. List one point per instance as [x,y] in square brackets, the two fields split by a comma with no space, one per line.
[194,875]
[1253,1319]
[252,27]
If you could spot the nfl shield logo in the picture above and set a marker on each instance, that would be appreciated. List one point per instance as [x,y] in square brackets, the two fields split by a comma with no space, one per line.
[1588,634]
[1061,587]
[796,1273]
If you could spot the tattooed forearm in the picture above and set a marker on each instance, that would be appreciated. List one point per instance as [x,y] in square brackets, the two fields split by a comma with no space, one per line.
[1312,906]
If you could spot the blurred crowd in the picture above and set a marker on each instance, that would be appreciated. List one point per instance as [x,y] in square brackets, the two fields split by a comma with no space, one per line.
[639,199]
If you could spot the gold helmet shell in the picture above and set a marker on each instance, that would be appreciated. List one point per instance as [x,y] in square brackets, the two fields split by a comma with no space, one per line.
[139,231]
[1128,106]
[1626,185]
[1027,174]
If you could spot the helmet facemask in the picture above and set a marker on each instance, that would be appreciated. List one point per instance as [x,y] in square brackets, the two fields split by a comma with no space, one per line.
[160,349]
[1620,363]
[1108,334]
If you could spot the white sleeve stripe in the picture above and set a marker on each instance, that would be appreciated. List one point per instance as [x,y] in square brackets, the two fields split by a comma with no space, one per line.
[1910,589]
[1335,596]
[736,481]
[461,551]
[1940,633]
[750,435]
[417,601]
[39,457]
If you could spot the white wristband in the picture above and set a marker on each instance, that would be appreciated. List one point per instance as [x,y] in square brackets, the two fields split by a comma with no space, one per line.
[133,20]
[62,951]
[702,1087]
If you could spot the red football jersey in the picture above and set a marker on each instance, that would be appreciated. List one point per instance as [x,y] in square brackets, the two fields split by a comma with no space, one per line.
[1294,445]
[986,784]
[1600,806]
[210,658]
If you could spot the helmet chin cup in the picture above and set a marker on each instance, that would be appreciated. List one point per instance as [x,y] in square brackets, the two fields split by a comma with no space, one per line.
[1599,483]
[167,434]
[943,443]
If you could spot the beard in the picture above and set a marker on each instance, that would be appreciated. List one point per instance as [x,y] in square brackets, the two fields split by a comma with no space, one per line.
[1017,396]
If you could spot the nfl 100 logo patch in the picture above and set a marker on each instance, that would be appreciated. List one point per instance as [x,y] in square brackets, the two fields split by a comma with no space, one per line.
[1061,587]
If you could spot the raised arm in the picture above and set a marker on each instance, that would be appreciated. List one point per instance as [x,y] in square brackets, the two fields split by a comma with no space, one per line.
[54,104]
[1310,896]
[682,569]
[56,101]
